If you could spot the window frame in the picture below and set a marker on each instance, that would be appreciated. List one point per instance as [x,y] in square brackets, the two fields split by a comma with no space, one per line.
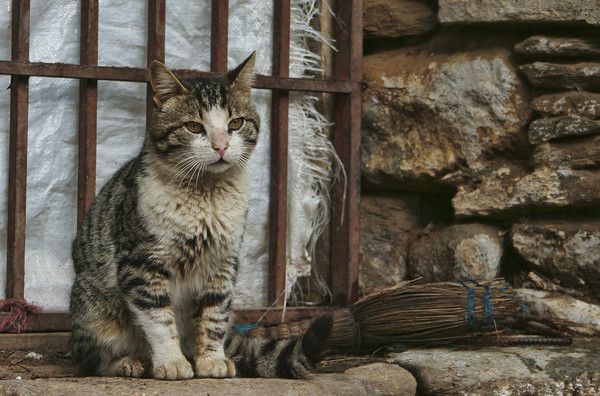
[345,87]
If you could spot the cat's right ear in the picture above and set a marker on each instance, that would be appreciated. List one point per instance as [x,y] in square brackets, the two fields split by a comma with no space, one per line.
[243,75]
[164,83]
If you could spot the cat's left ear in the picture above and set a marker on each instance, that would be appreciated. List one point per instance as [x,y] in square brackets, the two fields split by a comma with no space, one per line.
[242,76]
[164,83]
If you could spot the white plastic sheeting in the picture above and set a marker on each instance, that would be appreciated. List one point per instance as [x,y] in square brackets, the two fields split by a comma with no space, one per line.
[52,147]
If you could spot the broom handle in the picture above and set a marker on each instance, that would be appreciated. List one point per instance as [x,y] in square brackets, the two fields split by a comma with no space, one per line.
[521,340]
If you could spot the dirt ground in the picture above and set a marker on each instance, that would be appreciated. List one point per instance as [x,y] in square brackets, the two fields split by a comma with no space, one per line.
[45,369]
[24,372]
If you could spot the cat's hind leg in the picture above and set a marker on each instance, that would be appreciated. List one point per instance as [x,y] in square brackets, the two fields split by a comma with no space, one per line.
[106,350]
[104,341]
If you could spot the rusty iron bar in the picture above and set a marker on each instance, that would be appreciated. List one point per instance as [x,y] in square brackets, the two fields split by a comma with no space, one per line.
[346,140]
[88,100]
[65,70]
[17,154]
[156,46]
[218,36]
[60,321]
[277,83]
[279,150]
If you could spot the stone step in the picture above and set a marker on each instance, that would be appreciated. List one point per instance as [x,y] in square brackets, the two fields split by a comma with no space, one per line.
[376,378]
[529,370]
[553,47]
[584,104]
[545,129]
[581,76]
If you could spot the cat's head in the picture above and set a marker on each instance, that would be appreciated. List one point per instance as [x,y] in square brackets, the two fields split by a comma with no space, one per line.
[203,125]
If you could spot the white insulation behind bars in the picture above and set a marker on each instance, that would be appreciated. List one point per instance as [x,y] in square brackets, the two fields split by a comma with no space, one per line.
[52,146]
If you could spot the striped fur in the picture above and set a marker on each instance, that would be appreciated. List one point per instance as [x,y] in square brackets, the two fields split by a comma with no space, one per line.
[156,256]
[293,358]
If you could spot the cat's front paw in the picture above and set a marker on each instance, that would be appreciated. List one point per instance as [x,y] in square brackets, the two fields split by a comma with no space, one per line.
[214,368]
[174,369]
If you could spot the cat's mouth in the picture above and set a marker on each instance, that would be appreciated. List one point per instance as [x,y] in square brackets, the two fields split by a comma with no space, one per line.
[219,162]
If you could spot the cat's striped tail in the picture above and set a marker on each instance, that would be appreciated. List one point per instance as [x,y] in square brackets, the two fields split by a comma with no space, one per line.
[294,358]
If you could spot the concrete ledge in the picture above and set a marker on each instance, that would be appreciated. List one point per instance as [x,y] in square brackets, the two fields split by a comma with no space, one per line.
[376,378]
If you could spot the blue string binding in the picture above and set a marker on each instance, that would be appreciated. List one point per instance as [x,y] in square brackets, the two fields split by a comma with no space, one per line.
[243,328]
[470,308]
[470,314]
[488,309]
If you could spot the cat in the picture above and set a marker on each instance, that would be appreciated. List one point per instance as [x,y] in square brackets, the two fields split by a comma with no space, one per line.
[156,255]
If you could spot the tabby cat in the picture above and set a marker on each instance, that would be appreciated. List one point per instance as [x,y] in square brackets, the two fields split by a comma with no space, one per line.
[156,256]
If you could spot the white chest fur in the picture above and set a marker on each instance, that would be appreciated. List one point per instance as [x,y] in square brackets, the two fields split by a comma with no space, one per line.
[213,215]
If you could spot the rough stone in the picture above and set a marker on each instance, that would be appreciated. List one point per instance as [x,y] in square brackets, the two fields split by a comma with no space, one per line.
[506,193]
[546,129]
[551,47]
[574,153]
[390,380]
[460,250]
[387,227]
[397,18]
[519,11]
[570,252]
[406,383]
[584,104]
[425,115]
[583,317]
[580,76]
[570,370]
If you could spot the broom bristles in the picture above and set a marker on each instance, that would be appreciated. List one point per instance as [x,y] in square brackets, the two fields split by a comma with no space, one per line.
[413,312]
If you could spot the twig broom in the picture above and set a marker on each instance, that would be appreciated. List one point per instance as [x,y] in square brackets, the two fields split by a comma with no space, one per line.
[416,313]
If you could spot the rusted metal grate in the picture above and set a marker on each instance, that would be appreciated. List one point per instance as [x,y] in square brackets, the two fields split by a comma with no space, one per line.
[344,85]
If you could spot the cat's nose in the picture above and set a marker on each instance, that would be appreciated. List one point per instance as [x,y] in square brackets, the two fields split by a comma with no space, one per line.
[220,148]
[220,142]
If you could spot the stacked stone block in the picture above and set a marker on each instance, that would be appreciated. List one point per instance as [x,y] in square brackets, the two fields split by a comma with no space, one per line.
[481,128]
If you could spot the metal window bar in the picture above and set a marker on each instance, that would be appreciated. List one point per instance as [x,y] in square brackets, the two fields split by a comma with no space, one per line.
[17,153]
[345,85]
[279,148]
[88,101]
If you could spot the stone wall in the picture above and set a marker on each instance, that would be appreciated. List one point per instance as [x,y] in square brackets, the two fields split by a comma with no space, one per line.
[481,148]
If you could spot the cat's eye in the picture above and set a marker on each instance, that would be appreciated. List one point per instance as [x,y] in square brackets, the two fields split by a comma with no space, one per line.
[235,124]
[194,127]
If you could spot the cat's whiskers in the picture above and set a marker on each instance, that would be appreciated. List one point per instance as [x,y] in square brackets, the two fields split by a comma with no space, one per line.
[202,168]
[186,152]
[250,166]
[245,164]
[181,166]
[190,168]
[197,168]
[187,164]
